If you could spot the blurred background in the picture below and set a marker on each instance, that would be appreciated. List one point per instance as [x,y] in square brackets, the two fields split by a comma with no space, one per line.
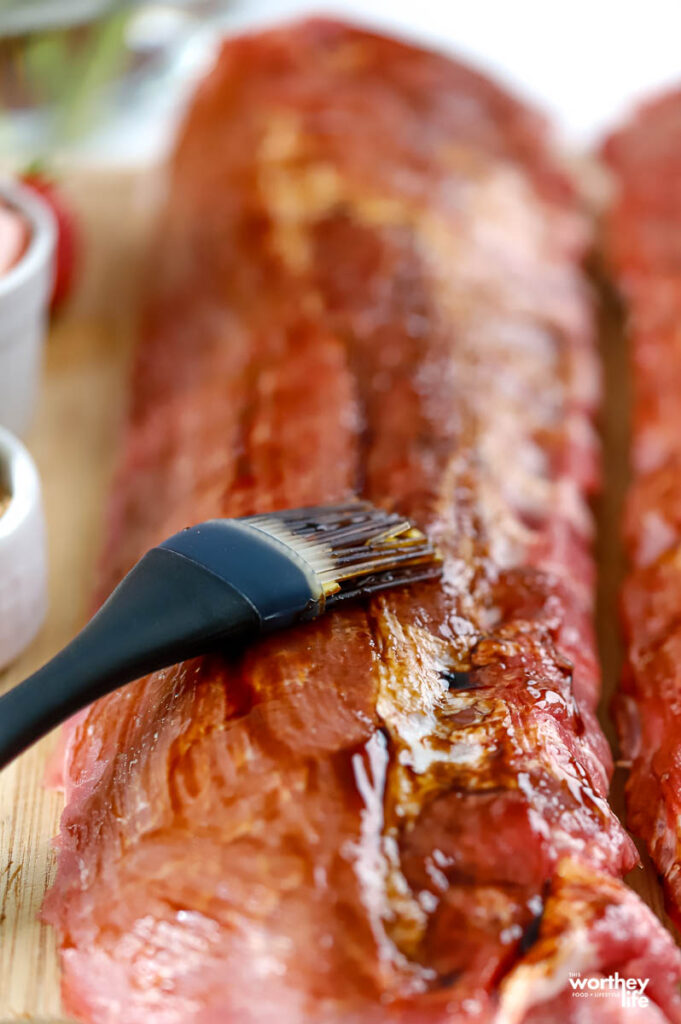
[100,80]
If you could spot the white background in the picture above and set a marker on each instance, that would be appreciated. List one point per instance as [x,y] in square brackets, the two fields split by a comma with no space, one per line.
[585,62]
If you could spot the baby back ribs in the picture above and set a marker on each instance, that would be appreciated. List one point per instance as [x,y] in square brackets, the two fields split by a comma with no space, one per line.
[644,250]
[367,282]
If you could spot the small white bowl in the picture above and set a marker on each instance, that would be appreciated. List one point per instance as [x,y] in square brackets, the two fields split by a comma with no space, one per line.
[25,292]
[23,557]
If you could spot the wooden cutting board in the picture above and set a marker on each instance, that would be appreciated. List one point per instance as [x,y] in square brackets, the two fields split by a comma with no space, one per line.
[74,440]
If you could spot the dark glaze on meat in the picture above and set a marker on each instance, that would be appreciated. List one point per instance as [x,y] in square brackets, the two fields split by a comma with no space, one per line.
[368,282]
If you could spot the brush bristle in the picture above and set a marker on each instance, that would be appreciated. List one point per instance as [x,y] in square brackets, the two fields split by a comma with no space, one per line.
[354,548]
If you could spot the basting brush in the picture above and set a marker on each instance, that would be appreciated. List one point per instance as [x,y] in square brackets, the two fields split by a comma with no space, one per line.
[219,585]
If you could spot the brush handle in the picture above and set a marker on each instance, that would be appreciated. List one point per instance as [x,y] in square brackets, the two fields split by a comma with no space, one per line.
[215,586]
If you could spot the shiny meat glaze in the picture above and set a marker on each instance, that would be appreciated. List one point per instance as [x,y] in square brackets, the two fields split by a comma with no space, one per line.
[644,249]
[368,282]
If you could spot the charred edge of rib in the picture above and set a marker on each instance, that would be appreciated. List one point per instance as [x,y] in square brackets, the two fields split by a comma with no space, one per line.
[457,680]
[448,979]
[531,933]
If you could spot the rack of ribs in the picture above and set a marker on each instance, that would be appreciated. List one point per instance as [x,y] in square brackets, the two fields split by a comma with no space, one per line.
[367,281]
[643,249]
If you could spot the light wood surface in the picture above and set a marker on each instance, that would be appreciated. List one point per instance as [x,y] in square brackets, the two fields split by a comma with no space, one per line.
[74,441]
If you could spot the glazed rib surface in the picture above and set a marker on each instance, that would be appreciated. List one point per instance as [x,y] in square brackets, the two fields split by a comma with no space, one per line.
[367,282]
[642,239]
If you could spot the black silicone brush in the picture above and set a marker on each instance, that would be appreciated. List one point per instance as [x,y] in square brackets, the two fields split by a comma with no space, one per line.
[218,585]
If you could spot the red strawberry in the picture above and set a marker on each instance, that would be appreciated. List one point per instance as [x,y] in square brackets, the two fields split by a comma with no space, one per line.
[67,235]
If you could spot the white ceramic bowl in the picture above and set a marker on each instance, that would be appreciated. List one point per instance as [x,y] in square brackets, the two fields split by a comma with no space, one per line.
[24,300]
[23,559]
